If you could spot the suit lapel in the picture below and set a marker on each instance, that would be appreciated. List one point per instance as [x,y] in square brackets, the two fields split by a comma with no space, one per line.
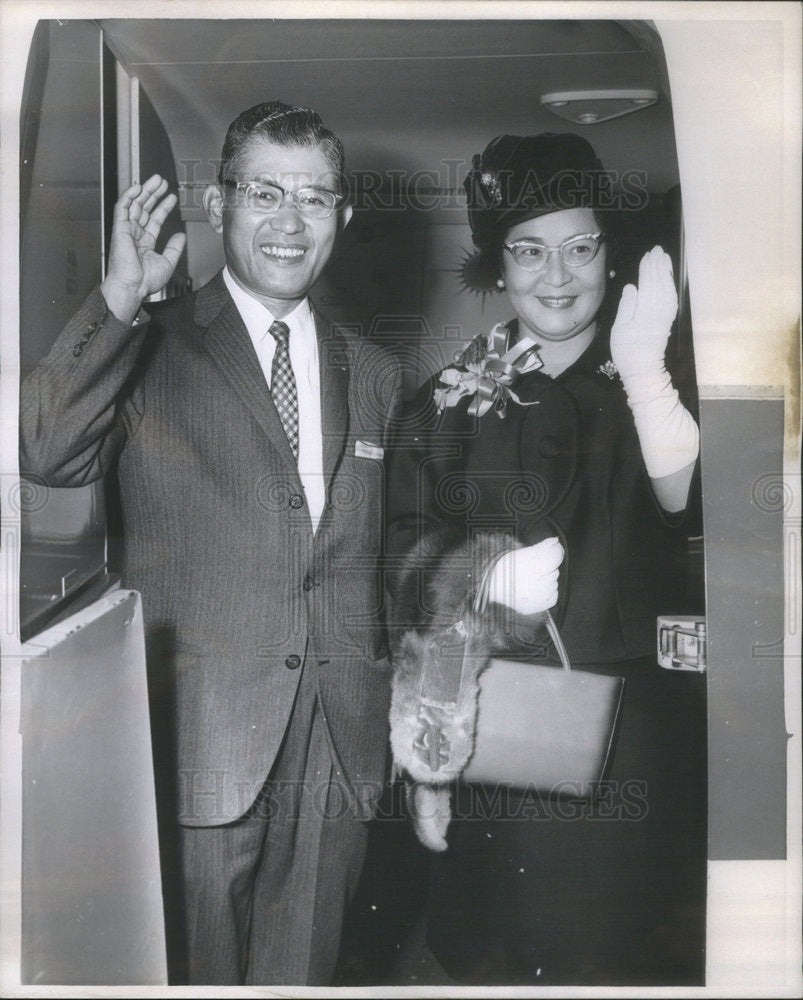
[333,358]
[230,347]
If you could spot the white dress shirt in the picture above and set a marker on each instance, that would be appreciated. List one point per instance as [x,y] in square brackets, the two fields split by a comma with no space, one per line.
[303,346]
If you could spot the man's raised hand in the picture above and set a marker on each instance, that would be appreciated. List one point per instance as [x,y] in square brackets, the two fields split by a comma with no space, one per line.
[135,269]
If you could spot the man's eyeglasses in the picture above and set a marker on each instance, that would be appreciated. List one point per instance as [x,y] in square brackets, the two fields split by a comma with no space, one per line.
[264,197]
[575,252]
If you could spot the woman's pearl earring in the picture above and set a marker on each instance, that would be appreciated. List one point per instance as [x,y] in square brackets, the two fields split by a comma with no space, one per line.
[500,283]
[611,273]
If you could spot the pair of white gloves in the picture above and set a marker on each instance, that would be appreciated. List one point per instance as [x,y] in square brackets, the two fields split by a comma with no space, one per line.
[527,579]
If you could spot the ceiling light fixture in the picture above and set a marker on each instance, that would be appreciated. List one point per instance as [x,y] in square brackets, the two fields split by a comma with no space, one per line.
[589,107]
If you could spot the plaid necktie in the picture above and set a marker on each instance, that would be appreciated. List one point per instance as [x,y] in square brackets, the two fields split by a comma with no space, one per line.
[283,384]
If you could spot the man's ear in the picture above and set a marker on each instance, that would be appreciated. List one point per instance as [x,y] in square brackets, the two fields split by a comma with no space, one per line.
[213,201]
[344,216]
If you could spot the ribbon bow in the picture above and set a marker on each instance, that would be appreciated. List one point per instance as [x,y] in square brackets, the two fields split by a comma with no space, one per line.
[488,372]
[501,369]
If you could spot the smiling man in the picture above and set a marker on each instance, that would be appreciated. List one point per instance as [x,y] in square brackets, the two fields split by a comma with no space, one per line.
[247,434]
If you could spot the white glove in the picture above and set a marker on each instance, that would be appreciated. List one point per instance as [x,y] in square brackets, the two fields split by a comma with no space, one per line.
[668,435]
[526,580]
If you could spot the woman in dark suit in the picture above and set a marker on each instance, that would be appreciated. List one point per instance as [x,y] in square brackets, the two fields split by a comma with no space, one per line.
[560,425]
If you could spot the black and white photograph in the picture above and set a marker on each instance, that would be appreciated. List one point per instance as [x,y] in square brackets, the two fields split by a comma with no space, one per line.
[401,501]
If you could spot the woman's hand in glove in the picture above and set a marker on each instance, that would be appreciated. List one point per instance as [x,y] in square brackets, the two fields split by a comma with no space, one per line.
[645,316]
[668,435]
[527,579]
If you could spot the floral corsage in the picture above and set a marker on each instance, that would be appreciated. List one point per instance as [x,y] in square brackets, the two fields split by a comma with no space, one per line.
[487,370]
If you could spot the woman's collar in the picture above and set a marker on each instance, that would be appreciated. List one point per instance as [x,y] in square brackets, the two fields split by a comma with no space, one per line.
[588,361]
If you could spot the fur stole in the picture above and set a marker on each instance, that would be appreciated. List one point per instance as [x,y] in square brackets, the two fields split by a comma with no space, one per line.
[441,643]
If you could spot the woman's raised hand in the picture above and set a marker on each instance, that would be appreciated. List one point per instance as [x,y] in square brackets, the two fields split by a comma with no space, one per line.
[645,316]
[135,269]
[527,579]
[667,433]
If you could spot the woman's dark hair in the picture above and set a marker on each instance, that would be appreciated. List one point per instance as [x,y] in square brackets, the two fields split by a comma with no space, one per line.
[610,223]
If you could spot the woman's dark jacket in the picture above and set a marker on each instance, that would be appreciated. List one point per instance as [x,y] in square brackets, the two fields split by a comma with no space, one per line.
[565,462]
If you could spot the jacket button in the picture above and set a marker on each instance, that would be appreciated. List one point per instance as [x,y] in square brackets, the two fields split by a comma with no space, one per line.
[296,501]
[91,328]
[293,662]
[308,583]
[80,345]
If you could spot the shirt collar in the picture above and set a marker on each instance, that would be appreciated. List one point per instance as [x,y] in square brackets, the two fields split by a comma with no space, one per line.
[257,317]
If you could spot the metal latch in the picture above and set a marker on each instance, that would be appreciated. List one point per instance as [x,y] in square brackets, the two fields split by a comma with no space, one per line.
[682,643]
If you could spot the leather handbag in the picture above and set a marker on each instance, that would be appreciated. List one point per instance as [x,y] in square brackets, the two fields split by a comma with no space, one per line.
[545,727]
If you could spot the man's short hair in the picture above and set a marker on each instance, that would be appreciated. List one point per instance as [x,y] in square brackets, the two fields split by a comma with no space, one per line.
[284,125]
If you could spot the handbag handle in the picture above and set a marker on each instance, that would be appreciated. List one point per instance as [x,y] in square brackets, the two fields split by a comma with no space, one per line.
[481,604]
[557,642]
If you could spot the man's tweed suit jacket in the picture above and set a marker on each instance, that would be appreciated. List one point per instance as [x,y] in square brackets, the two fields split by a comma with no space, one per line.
[238,592]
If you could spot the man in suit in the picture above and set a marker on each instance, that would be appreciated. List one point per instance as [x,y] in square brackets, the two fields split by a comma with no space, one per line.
[247,435]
